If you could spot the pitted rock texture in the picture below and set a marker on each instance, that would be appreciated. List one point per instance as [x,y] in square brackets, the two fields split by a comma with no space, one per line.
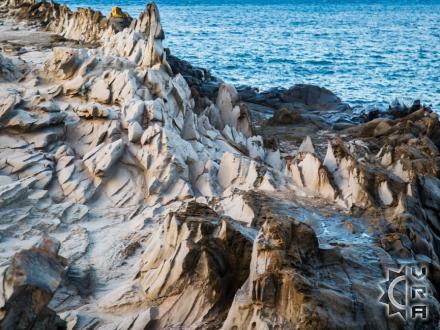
[176,206]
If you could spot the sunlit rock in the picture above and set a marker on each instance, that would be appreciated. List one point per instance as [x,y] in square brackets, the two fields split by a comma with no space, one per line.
[124,159]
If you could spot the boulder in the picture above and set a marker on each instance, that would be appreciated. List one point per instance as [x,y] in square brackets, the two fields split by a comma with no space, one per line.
[315,97]
[8,70]
[285,116]
[28,285]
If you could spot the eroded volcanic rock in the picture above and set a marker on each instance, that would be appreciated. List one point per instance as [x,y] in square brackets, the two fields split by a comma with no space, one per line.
[28,284]
[178,206]
[199,258]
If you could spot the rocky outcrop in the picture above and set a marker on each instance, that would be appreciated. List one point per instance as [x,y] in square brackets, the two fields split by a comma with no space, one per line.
[28,285]
[301,96]
[274,295]
[312,96]
[84,25]
[309,174]
[200,258]
[293,283]
[8,70]
[172,210]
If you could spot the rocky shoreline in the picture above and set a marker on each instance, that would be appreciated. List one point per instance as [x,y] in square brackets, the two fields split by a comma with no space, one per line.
[140,192]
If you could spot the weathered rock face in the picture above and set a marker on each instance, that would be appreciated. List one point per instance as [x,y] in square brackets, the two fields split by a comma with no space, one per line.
[273,295]
[28,285]
[298,280]
[173,213]
[8,70]
[199,258]
[84,25]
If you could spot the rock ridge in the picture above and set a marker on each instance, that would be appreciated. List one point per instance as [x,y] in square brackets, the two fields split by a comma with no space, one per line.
[171,203]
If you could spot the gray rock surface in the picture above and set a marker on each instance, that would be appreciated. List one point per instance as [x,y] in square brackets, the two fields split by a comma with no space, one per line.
[177,208]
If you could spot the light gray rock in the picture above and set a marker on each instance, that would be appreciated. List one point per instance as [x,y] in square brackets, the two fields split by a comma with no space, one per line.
[100,91]
[190,131]
[135,131]
[155,110]
[150,133]
[143,252]
[307,146]
[8,100]
[134,112]
[13,192]
[100,159]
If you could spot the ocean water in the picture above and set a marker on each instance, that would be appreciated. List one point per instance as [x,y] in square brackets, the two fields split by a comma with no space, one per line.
[364,51]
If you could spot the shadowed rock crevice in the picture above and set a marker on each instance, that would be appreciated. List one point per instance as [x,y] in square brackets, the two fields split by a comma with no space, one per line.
[204,259]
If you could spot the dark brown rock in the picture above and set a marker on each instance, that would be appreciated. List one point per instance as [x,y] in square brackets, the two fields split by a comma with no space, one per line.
[29,284]
[285,116]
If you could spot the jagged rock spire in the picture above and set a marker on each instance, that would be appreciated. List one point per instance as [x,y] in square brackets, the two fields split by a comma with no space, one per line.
[149,22]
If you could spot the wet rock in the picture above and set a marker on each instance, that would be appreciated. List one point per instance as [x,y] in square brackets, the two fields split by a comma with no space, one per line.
[124,152]
[315,97]
[303,96]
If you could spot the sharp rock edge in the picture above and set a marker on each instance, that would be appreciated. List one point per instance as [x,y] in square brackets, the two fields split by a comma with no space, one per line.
[167,211]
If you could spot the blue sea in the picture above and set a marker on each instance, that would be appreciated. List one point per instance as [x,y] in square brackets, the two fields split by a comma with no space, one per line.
[365,51]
